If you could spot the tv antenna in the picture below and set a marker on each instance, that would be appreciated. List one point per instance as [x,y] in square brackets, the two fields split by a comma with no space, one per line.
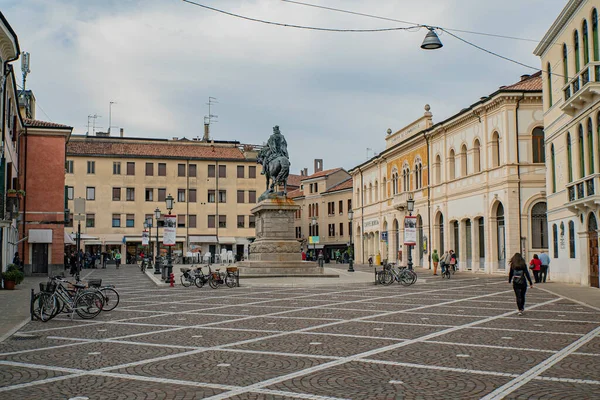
[210,118]
[92,117]
[25,67]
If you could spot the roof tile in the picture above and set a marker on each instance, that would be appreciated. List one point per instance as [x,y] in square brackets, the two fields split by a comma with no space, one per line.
[532,83]
[295,193]
[322,173]
[294,180]
[35,123]
[347,184]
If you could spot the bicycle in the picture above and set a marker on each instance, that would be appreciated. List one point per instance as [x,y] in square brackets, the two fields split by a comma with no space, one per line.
[143,265]
[404,276]
[110,294]
[87,304]
[446,271]
[218,278]
[187,279]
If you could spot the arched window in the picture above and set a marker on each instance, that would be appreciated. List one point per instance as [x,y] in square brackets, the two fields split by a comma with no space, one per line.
[581,154]
[539,151]
[590,139]
[476,156]
[555,240]
[549,75]
[370,193]
[365,194]
[576,46]
[418,174]
[569,157]
[384,189]
[553,168]
[438,169]
[463,161]
[586,43]
[595,36]
[376,191]
[395,182]
[495,149]
[451,169]
[539,226]
[565,63]
[357,198]
[406,179]
[571,239]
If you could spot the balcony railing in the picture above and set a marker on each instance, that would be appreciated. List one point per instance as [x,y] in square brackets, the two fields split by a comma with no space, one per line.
[582,192]
[582,88]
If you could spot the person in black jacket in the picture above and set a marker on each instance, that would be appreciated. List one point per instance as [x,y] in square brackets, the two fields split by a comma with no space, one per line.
[519,275]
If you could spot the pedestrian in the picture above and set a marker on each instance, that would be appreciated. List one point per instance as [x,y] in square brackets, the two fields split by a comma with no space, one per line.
[17,260]
[74,266]
[104,259]
[118,259]
[545,259]
[444,261]
[453,260]
[435,257]
[519,275]
[536,266]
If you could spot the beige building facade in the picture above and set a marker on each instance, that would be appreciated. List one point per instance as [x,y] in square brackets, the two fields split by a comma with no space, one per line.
[570,58]
[124,180]
[325,198]
[477,178]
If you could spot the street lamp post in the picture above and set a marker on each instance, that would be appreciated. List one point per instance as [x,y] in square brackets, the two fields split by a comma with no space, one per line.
[350,217]
[314,224]
[169,202]
[156,255]
[410,206]
[150,254]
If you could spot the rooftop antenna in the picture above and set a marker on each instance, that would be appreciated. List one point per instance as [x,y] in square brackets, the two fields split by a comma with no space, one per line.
[210,118]
[25,67]
[94,117]
[110,115]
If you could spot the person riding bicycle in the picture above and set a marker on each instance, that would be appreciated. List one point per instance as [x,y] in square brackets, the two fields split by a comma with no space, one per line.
[453,260]
[444,261]
[370,261]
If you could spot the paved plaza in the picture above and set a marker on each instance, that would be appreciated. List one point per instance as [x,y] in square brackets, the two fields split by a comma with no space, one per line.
[438,339]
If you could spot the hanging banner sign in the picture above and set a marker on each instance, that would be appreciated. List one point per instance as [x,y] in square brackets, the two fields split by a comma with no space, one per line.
[170,231]
[410,231]
[145,238]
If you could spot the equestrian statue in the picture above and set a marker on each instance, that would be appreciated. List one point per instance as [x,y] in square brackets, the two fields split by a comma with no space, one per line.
[276,164]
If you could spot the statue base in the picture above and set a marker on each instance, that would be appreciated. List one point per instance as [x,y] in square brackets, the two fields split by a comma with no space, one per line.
[276,251]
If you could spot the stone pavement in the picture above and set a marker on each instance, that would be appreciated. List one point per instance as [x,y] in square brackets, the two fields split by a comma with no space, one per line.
[438,339]
[14,306]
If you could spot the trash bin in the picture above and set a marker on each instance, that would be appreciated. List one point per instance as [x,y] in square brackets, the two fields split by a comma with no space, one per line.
[378,259]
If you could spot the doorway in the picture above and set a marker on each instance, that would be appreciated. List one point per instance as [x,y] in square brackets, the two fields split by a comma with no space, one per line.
[469,249]
[39,258]
[501,237]
[593,250]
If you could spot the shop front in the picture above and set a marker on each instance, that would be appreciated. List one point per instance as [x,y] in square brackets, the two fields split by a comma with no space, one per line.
[204,246]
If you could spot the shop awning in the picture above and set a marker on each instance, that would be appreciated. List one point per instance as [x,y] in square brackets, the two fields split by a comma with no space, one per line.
[83,236]
[203,239]
[92,242]
[68,239]
[40,236]
[315,246]
[226,240]
[242,240]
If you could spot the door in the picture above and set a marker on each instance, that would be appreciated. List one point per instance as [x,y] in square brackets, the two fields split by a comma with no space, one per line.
[39,258]
[239,252]
[501,247]
[212,248]
[469,255]
[593,250]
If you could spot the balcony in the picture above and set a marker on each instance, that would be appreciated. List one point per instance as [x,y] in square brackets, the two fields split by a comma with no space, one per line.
[581,90]
[582,193]
[399,200]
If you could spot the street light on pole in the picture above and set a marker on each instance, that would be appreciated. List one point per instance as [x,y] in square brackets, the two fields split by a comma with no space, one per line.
[350,217]
[314,224]
[410,206]
[170,201]
[156,259]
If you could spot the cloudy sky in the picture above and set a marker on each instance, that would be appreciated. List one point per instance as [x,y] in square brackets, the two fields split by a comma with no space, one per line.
[334,95]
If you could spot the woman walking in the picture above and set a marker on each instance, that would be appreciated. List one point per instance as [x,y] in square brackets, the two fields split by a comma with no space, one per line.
[519,275]
[536,266]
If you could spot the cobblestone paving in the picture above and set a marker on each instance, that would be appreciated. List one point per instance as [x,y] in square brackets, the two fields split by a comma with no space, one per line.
[439,339]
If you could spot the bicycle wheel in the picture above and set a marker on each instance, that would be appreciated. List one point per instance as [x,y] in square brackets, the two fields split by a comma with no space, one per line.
[88,305]
[453,269]
[199,282]
[185,281]
[230,280]
[388,278]
[111,298]
[413,276]
[380,277]
[212,282]
[47,307]
[405,278]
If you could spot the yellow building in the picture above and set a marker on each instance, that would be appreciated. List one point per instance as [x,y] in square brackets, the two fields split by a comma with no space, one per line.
[570,55]
[124,180]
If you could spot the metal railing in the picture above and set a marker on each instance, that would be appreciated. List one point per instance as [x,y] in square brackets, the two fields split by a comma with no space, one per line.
[589,73]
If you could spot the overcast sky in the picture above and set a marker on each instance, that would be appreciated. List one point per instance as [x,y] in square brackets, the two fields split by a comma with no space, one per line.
[333,94]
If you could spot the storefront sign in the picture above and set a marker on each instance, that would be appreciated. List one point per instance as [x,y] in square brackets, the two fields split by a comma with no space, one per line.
[371,222]
[170,231]
[410,231]
[145,238]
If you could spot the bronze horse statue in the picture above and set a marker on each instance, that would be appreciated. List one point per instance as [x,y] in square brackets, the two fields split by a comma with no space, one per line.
[276,169]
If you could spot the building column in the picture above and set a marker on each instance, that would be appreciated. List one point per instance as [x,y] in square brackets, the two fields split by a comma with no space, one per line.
[462,244]
[474,244]
[586,161]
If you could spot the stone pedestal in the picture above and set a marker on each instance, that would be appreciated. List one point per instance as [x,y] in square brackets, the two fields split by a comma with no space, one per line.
[276,251]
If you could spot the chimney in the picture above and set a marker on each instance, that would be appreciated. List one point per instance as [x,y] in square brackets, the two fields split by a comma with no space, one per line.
[305,171]
[206,132]
[122,132]
[318,165]
[524,77]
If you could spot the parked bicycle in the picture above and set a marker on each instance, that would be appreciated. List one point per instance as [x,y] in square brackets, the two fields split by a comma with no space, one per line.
[190,275]
[217,278]
[56,298]
[403,275]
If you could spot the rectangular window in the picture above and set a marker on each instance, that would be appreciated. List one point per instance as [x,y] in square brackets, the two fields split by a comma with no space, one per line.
[252,172]
[181,195]
[180,169]
[252,196]
[149,194]
[251,221]
[116,195]
[162,194]
[349,204]
[70,192]
[240,171]
[116,220]
[192,195]
[149,169]
[341,229]
[240,221]
[211,171]
[69,166]
[91,167]
[130,220]
[90,220]
[211,221]
[192,171]
[240,196]
[149,217]
[331,229]
[90,193]
[181,221]
[70,221]
[130,194]
[222,196]
[222,171]
[191,221]
[117,168]
[222,221]
[162,169]
[341,207]
[130,168]
[211,196]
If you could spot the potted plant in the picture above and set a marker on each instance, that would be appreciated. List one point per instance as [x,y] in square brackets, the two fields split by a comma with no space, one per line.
[12,277]
[15,193]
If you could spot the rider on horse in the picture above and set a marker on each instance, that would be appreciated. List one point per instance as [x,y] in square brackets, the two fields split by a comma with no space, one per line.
[276,146]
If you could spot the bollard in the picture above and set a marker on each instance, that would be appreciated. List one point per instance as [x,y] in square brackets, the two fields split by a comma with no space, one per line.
[375,270]
[237,278]
[172,280]
[31,304]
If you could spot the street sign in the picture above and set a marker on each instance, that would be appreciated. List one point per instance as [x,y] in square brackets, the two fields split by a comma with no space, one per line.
[410,231]
[170,230]
[79,217]
[313,240]
[79,205]
[384,236]
[145,238]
